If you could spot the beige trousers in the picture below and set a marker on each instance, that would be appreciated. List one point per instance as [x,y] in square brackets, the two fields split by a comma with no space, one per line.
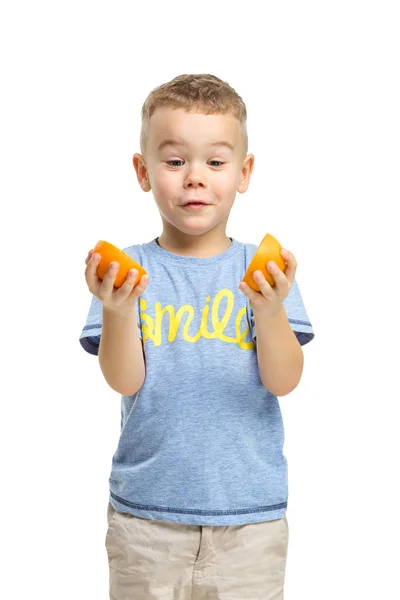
[160,560]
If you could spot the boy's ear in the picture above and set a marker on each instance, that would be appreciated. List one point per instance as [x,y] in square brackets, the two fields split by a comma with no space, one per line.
[141,172]
[247,169]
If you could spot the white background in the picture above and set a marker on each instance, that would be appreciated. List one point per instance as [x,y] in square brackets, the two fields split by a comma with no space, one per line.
[321,85]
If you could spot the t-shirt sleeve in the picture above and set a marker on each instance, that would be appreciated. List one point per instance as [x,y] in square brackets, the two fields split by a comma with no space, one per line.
[297,316]
[91,333]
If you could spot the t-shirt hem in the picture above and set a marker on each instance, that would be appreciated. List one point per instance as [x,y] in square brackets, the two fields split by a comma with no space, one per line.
[199,517]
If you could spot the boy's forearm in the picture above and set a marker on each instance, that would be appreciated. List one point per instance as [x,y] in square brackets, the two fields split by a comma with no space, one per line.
[121,353]
[279,354]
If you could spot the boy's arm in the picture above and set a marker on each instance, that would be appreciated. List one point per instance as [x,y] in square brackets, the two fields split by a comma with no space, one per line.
[121,353]
[279,354]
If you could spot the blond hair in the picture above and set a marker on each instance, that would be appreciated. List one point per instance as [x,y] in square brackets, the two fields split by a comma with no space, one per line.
[202,93]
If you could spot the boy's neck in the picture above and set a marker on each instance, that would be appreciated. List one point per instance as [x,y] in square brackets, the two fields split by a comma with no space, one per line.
[199,251]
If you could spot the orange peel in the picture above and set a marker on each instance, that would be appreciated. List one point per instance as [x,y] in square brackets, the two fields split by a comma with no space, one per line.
[109,254]
[269,249]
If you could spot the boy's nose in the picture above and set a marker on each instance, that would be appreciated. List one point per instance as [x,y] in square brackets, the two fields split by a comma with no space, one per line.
[195,180]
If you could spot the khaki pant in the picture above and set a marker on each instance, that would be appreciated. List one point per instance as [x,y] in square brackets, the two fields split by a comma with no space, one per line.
[160,560]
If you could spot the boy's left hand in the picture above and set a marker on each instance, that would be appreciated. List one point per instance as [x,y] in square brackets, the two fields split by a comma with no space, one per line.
[269,300]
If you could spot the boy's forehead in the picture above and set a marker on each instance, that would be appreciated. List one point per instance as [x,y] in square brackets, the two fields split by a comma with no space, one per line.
[169,125]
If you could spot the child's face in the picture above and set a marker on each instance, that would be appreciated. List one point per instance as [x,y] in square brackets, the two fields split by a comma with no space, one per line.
[195,169]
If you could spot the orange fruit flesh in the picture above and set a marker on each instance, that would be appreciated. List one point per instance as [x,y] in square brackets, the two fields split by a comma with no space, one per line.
[109,254]
[269,249]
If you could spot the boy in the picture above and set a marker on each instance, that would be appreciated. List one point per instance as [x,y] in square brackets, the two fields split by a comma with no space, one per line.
[198,486]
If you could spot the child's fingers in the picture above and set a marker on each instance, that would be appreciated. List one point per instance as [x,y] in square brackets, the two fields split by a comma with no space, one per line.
[107,285]
[91,277]
[129,288]
[89,256]
[104,289]
[141,286]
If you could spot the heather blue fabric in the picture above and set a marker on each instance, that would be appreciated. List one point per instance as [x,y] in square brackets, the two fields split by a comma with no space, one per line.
[202,441]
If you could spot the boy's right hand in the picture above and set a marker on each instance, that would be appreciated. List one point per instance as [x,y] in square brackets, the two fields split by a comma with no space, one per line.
[120,300]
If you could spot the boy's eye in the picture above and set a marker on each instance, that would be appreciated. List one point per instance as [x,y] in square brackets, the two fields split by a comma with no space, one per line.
[181,161]
[173,161]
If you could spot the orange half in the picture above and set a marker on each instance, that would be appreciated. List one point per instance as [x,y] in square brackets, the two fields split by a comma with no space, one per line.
[109,254]
[269,249]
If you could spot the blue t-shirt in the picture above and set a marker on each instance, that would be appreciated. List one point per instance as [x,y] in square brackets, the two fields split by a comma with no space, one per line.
[201,442]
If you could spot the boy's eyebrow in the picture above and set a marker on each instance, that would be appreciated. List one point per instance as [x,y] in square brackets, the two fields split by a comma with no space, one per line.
[171,142]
